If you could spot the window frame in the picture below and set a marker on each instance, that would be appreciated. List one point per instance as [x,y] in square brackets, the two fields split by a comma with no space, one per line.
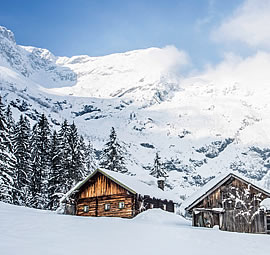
[121,203]
[86,208]
[107,207]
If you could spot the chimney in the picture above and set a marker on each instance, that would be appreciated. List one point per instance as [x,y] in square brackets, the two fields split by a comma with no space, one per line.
[160,183]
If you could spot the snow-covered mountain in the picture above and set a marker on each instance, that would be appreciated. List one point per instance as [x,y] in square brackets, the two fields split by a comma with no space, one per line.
[202,125]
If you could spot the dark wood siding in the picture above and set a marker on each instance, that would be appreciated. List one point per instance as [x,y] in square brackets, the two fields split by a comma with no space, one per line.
[267,222]
[231,218]
[215,199]
[231,222]
[146,202]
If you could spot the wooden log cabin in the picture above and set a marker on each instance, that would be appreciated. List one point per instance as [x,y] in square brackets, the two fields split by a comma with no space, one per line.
[108,193]
[232,203]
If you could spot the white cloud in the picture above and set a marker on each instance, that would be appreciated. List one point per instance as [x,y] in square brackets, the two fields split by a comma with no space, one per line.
[250,72]
[249,24]
[163,60]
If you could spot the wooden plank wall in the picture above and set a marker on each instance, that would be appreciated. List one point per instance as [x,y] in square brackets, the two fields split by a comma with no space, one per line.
[267,221]
[100,190]
[234,223]
[230,219]
[214,200]
[205,219]
[97,206]
[100,185]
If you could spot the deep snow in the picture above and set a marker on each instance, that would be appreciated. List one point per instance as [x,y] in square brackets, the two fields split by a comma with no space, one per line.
[28,231]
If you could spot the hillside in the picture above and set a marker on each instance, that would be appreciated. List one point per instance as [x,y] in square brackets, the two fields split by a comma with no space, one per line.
[201,124]
[29,231]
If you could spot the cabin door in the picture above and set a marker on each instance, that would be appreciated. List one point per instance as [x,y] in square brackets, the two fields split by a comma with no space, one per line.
[204,220]
[208,219]
[216,220]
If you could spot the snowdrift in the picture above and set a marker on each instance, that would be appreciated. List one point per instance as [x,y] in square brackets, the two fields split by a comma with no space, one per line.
[27,231]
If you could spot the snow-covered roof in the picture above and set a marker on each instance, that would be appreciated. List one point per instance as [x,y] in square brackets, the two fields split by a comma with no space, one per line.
[132,183]
[212,185]
[265,204]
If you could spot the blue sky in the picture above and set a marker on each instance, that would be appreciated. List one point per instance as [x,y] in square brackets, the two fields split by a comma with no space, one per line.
[100,27]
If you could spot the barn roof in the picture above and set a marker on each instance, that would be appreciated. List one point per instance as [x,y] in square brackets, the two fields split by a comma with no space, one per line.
[130,183]
[212,185]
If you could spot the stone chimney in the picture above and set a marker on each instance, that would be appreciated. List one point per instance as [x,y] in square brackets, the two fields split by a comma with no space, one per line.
[160,183]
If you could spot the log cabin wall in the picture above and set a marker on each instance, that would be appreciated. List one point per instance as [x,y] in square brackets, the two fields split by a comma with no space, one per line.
[230,219]
[92,198]
[100,190]
[233,223]
[215,199]
[267,221]
[96,206]
[100,185]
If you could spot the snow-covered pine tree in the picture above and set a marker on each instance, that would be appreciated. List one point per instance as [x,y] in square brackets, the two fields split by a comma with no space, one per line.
[10,122]
[56,181]
[76,168]
[21,141]
[112,156]
[158,170]
[40,148]
[89,158]
[7,161]
[65,154]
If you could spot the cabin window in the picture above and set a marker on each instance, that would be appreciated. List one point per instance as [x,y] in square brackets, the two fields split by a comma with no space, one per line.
[107,207]
[86,208]
[121,205]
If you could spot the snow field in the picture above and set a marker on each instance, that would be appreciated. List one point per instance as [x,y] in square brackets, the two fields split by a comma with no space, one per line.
[27,231]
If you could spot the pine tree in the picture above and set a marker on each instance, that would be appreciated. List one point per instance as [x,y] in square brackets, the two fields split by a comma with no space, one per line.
[158,170]
[10,122]
[63,137]
[112,156]
[40,148]
[89,158]
[21,141]
[86,156]
[7,161]
[76,169]
[56,181]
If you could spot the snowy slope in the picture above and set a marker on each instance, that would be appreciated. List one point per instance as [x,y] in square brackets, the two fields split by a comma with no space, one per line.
[202,125]
[28,231]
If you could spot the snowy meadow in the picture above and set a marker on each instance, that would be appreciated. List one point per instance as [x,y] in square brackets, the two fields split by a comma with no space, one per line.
[28,231]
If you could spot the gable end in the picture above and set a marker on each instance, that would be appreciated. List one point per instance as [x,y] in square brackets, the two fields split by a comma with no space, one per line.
[219,184]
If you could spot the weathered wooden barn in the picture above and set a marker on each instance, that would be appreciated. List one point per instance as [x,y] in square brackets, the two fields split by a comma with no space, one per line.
[232,203]
[108,193]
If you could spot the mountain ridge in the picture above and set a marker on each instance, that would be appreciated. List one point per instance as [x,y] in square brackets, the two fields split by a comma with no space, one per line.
[199,128]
